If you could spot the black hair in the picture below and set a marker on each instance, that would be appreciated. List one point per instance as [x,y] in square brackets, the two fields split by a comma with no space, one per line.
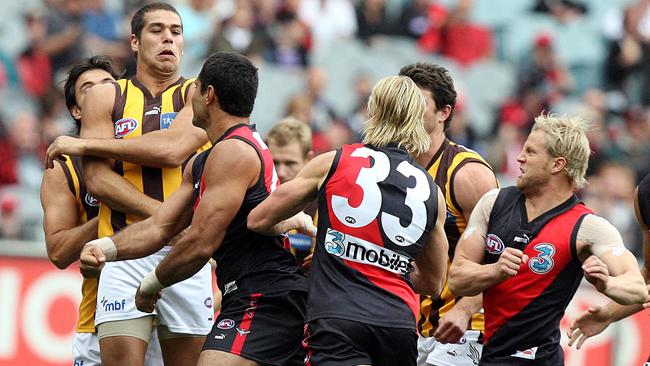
[137,21]
[83,65]
[437,80]
[234,79]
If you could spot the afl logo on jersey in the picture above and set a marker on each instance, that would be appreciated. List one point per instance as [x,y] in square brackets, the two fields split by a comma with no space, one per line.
[226,324]
[493,244]
[91,201]
[125,127]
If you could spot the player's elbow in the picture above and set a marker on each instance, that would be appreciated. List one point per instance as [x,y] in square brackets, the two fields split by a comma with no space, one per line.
[432,287]
[255,223]
[203,253]
[59,259]
[171,156]
[96,186]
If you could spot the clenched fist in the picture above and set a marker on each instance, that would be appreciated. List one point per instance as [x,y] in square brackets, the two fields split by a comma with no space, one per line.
[509,263]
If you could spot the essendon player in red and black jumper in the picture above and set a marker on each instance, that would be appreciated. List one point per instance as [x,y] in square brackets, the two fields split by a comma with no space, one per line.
[523,313]
[367,238]
[264,292]
[595,319]
[378,212]
[527,247]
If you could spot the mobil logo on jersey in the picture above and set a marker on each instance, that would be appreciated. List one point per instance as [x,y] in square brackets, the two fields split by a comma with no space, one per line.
[125,127]
[494,244]
[354,249]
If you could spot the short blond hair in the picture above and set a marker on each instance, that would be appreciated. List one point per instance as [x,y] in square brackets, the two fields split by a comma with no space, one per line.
[566,137]
[289,130]
[396,108]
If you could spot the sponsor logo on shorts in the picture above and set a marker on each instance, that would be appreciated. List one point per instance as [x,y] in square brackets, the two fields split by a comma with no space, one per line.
[220,336]
[208,302]
[358,250]
[528,354]
[226,324]
[166,120]
[250,310]
[494,244]
[117,305]
[229,287]
[91,201]
[242,332]
[474,354]
[125,127]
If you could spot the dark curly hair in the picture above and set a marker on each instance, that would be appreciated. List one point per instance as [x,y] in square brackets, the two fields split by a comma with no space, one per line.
[83,65]
[435,79]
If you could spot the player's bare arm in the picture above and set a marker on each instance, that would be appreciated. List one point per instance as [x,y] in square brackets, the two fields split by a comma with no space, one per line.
[645,269]
[220,202]
[471,182]
[148,236]
[102,182]
[467,275]
[64,237]
[431,264]
[162,149]
[595,319]
[277,213]
[607,264]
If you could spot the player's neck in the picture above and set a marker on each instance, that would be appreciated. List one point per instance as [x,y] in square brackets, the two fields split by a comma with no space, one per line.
[546,198]
[155,82]
[221,122]
[437,138]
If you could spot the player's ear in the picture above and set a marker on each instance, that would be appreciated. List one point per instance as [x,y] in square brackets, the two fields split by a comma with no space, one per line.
[211,95]
[134,42]
[558,165]
[75,112]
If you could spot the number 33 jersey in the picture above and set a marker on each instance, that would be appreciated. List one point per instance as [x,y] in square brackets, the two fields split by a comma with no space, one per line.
[376,207]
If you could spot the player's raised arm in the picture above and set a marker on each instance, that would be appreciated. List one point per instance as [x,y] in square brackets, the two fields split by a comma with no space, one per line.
[276,214]
[168,147]
[609,266]
[64,237]
[220,201]
[431,269]
[102,182]
[146,237]
[595,319]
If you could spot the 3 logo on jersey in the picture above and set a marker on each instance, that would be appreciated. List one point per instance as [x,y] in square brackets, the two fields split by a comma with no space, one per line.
[358,250]
[543,262]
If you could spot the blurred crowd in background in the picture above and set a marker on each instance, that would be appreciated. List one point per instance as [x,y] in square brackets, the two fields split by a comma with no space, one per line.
[318,60]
